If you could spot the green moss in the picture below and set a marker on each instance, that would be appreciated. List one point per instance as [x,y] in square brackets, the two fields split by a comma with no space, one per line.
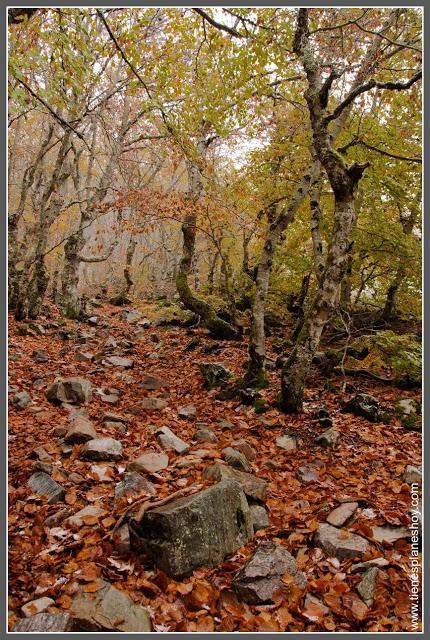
[260,406]
[411,422]
[402,354]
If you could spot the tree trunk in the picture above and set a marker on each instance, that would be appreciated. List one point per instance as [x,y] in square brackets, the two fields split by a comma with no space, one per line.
[37,288]
[256,373]
[218,327]
[343,180]
[211,273]
[296,368]
[128,262]
[390,300]
[70,301]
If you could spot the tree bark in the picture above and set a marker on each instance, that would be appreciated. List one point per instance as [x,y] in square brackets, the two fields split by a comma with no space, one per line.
[217,327]
[344,180]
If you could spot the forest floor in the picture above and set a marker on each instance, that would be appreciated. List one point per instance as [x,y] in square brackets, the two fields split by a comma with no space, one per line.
[367,466]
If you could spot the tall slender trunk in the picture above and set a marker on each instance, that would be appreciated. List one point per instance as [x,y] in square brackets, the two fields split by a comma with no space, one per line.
[218,327]
[211,273]
[128,262]
[256,372]
[390,300]
[344,180]
[296,368]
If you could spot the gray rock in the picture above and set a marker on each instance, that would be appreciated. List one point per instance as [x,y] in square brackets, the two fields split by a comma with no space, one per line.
[109,397]
[236,459]
[307,473]
[188,461]
[81,431]
[188,412]
[118,361]
[197,531]
[77,520]
[144,323]
[102,449]
[286,442]
[42,484]
[153,404]
[362,566]
[312,601]
[46,467]
[214,374]
[109,416]
[204,434]
[244,447]
[149,463]
[255,488]
[121,539]
[340,543]
[408,406]
[21,400]
[341,514]
[94,320]
[413,475]
[36,606]
[117,426]
[103,472]
[170,441]
[131,316]
[111,343]
[57,517]
[60,432]
[40,356]
[329,438]
[70,390]
[152,383]
[364,405]
[44,623]
[108,609]
[84,356]
[259,517]
[133,484]
[367,585]
[226,425]
[390,534]
[262,575]
[41,454]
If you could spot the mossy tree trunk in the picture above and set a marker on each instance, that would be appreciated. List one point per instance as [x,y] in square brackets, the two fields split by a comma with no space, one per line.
[218,327]
[343,180]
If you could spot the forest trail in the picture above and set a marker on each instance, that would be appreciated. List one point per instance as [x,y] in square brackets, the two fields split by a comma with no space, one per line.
[304,484]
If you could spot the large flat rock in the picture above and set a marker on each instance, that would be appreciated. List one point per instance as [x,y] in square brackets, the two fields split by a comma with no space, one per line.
[102,449]
[149,462]
[197,531]
[42,484]
[170,441]
[44,623]
[108,609]
[340,543]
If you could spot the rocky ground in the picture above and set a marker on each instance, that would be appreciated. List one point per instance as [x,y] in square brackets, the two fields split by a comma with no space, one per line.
[139,500]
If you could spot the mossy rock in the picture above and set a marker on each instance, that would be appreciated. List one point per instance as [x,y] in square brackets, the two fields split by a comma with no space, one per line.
[402,354]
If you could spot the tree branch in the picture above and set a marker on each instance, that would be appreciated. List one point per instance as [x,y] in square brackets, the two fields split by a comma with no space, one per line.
[218,25]
[372,84]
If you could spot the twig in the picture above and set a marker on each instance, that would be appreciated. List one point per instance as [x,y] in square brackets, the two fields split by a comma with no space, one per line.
[148,504]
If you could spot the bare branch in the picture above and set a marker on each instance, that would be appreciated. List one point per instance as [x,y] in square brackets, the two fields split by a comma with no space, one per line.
[367,86]
[218,25]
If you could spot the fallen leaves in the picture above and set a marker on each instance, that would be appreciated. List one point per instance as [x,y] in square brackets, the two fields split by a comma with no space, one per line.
[58,560]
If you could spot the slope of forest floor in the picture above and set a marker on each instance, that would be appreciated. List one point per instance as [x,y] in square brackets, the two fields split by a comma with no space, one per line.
[367,466]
